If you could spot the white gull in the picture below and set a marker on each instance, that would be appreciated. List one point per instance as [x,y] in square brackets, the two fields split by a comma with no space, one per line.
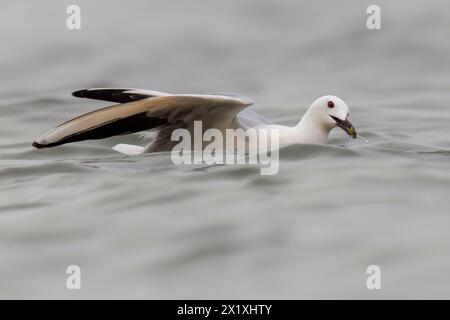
[161,113]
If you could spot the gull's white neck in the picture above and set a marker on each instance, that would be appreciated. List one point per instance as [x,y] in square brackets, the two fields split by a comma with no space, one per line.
[311,130]
[308,130]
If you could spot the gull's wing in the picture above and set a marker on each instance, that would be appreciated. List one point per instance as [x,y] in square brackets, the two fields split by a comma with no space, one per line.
[118,95]
[216,111]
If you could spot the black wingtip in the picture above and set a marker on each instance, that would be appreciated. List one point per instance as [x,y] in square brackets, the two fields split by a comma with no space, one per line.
[38,145]
[79,93]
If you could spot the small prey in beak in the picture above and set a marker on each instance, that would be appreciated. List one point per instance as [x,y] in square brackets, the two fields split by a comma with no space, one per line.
[346,126]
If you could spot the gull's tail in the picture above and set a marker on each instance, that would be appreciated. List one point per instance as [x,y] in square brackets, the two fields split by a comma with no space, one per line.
[129,149]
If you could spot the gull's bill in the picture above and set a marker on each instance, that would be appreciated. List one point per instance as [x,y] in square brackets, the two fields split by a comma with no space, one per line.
[347,126]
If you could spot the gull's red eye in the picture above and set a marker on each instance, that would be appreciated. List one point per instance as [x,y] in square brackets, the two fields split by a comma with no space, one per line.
[330,104]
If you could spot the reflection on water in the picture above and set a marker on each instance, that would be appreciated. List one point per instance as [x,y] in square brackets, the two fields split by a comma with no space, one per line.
[143,227]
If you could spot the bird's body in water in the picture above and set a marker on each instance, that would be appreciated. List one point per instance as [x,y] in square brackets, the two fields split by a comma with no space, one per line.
[162,113]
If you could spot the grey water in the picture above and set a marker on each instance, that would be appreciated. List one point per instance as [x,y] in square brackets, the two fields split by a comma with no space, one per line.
[142,227]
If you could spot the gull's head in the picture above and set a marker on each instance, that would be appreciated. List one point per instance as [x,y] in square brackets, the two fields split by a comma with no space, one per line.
[331,111]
